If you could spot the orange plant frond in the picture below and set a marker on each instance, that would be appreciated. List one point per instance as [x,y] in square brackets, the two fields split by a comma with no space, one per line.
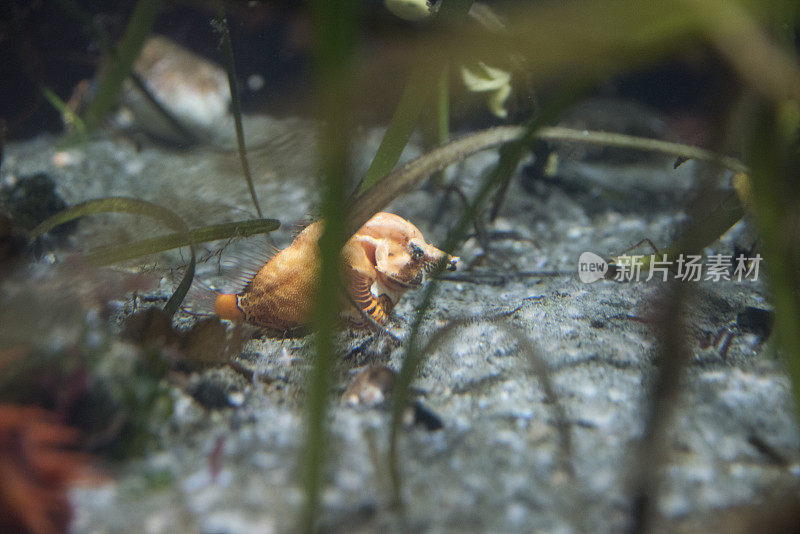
[36,469]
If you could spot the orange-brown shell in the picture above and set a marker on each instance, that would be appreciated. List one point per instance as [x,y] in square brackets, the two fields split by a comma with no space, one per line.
[377,267]
[281,295]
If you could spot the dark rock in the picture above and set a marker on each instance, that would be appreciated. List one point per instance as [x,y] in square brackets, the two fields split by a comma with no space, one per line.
[31,200]
[212,390]
[756,321]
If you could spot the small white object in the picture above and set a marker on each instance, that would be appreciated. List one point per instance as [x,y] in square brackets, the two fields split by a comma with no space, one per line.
[64,158]
[236,398]
[413,10]
[255,82]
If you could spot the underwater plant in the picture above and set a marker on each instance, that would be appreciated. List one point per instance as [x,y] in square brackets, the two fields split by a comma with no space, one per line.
[568,49]
[37,468]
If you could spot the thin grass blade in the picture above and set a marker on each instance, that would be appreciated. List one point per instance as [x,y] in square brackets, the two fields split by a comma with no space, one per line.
[133,206]
[139,28]
[119,253]
[336,24]
[221,25]
[510,155]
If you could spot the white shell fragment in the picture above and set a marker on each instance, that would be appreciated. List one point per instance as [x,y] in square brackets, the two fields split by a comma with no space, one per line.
[193,90]
[412,10]
[370,387]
